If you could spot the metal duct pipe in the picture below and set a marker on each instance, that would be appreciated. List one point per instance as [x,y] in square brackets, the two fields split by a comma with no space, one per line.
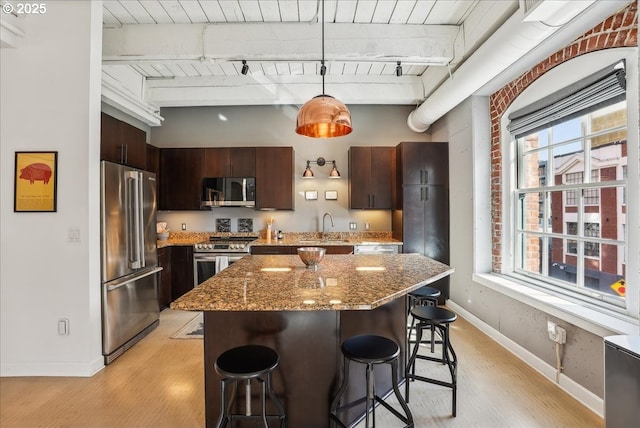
[511,42]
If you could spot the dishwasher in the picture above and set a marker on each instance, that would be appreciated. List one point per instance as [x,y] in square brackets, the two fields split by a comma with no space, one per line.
[375,249]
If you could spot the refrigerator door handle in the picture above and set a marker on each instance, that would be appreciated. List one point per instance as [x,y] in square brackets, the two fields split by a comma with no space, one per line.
[114,285]
[133,212]
[140,221]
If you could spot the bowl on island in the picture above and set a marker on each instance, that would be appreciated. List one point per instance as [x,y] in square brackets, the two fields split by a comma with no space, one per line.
[163,236]
[311,256]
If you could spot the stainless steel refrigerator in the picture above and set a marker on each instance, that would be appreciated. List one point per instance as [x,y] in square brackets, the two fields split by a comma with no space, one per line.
[129,266]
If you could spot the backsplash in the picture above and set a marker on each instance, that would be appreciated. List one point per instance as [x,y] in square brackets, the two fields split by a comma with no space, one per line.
[191,237]
[306,218]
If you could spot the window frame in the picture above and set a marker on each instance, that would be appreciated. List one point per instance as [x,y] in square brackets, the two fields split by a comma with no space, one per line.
[552,81]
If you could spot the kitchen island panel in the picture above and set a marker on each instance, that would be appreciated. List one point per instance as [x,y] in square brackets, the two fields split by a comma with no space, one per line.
[308,343]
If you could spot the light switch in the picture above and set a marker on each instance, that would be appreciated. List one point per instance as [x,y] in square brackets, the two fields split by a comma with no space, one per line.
[73,234]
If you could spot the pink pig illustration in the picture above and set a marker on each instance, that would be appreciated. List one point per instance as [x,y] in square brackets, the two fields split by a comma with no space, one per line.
[36,171]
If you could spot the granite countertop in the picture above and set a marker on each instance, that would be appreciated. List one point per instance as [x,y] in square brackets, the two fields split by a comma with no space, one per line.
[290,239]
[342,282]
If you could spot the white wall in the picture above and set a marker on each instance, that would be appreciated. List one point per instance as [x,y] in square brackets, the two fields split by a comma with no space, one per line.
[274,126]
[50,101]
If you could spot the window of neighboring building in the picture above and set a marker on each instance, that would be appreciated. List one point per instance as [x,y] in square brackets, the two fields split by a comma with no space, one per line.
[591,248]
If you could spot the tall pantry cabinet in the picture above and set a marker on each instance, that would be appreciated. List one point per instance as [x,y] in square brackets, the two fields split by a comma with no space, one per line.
[421,215]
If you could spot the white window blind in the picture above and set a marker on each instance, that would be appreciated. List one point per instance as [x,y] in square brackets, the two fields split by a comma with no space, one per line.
[603,88]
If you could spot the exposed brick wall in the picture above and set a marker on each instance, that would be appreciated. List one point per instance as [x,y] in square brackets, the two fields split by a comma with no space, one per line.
[619,30]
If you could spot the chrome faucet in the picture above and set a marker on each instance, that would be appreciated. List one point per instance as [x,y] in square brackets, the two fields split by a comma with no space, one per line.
[324,216]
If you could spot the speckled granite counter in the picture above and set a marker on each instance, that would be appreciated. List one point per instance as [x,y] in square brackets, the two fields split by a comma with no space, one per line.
[290,238]
[273,300]
[342,282]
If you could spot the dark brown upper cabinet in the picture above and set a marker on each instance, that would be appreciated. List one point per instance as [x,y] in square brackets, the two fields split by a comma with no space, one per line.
[423,163]
[230,162]
[153,159]
[122,143]
[371,177]
[181,178]
[274,178]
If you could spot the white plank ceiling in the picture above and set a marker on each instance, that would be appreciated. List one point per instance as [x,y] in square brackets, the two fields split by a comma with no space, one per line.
[190,52]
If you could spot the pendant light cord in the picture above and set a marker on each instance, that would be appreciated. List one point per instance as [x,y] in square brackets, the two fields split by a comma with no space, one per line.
[323,69]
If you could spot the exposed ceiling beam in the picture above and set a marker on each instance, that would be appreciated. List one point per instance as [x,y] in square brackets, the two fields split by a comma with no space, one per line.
[272,90]
[420,44]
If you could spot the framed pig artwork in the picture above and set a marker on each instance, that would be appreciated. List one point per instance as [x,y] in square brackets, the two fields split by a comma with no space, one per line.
[35,182]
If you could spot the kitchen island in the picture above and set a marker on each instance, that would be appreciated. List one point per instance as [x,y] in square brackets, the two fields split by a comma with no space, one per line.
[305,315]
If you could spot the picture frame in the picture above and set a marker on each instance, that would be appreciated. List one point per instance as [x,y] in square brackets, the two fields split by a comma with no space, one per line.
[35,182]
[311,195]
[331,195]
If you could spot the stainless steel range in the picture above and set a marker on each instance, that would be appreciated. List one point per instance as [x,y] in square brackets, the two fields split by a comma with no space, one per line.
[212,256]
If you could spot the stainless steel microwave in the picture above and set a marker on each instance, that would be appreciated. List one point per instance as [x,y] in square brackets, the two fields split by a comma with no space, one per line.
[228,192]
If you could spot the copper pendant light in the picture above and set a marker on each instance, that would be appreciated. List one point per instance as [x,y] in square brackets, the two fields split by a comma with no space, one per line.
[323,116]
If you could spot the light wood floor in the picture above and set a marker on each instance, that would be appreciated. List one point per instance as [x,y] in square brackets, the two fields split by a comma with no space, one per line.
[159,383]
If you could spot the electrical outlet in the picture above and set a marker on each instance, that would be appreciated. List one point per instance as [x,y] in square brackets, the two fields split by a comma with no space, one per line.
[557,334]
[184,226]
[367,226]
[353,225]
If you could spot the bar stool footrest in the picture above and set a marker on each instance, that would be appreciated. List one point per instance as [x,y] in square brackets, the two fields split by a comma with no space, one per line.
[430,380]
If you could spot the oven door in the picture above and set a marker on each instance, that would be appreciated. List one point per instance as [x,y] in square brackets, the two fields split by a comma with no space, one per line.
[204,265]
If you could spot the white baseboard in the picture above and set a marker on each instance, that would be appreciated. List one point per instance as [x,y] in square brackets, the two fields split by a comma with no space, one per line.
[52,369]
[577,391]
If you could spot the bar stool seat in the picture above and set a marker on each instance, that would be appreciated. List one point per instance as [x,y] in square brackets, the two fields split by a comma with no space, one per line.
[423,296]
[430,317]
[370,350]
[248,363]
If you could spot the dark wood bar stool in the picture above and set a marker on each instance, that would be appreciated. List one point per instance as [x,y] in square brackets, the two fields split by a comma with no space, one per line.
[439,318]
[246,364]
[370,350]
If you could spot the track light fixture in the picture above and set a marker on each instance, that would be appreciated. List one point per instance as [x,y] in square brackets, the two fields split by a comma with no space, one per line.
[308,173]
[399,69]
[245,68]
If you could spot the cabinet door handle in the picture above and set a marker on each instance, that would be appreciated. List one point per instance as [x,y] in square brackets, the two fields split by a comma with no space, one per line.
[426,177]
[122,153]
[126,153]
[421,192]
[421,174]
[373,201]
[426,194]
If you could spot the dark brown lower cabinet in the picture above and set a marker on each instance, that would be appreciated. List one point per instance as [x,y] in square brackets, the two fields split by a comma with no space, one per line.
[335,249]
[181,271]
[164,286]
[270,249]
